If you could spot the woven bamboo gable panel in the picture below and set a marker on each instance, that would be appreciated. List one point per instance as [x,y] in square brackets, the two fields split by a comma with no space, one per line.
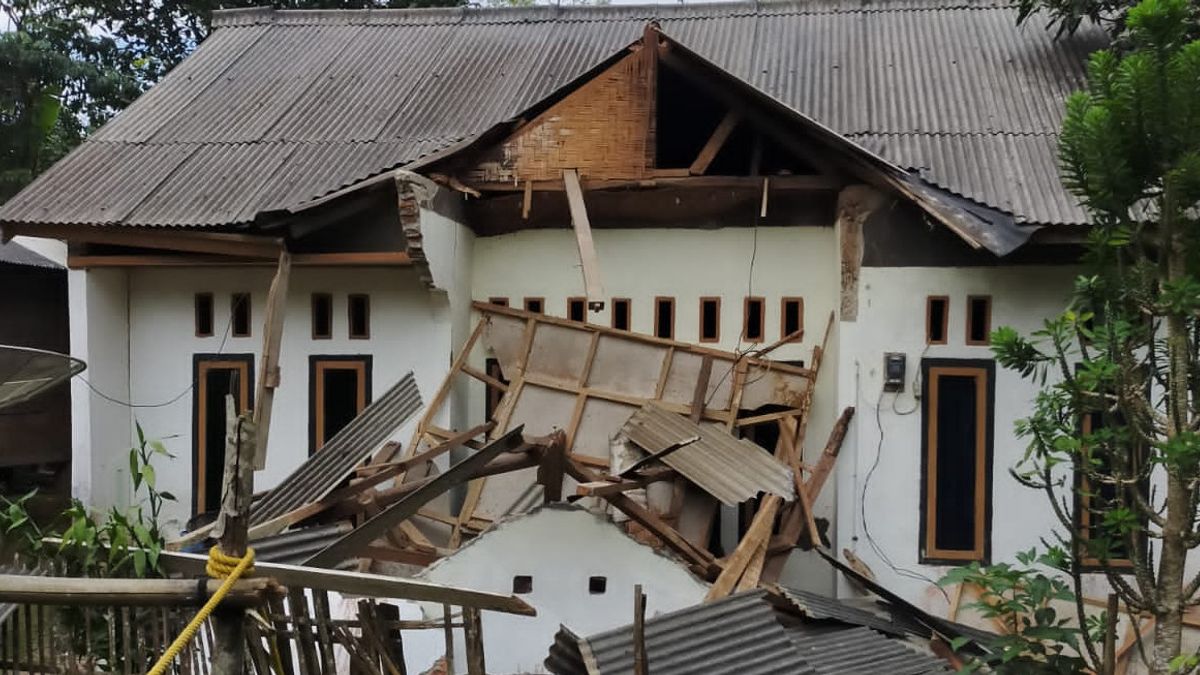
[600,129]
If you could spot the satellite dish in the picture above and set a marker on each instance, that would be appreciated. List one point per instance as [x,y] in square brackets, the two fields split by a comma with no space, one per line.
[26,373]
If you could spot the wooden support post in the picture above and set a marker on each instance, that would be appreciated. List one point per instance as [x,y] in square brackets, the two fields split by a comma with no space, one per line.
[473,631]
[231,531]
[268,377]
[550,472]
[448,634]
[583,237]
[640,661]
[1109,665]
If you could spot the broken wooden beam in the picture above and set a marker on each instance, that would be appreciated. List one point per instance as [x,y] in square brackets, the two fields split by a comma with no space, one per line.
[583,237]
[714,144]
[735,566]
[268,377]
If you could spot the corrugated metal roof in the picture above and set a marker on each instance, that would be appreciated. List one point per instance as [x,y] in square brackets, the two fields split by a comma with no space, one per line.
[334,462]
[730,469]
[862,651]
[950,87]
[736,636]
[296,546]
[820,607]
[12,253]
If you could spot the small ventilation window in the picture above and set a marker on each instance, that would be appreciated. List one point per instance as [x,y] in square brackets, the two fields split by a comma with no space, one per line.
[664,317]
[522,584]
[710,319]
[503,302]
[204,315]
[597,585]
[620,313]
[535,305]
[322,316]
[937,315]
[793,317]
[577,309]
[979,319]
[360,316]
[240,320]
[752,330]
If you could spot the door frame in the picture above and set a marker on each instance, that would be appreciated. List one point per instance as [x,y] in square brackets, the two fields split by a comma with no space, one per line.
[317,365]
[201,363]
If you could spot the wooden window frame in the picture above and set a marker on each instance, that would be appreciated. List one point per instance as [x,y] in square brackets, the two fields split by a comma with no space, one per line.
[987,321]
[540,300]
[201,364]
[317,365]
[212,314]
[1083,517]
[700,323]
[233,308]
[658,300]
[316,297]
[762,319]
[929,300]
[583,303]
[366,299]
[783,305]
[984,372]
[628,313]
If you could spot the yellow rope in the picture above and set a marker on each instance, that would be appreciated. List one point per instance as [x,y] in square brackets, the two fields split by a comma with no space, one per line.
[220,566]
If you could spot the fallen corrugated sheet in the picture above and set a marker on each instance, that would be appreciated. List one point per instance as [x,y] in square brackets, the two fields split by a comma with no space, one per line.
[296,546]
[820,607]
[12,253]
[976,109]
[326,469]
[862,651]
[730,469]
[738,635]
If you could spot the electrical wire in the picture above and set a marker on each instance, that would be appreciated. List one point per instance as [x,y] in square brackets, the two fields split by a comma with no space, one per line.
[186,390]
[903,572]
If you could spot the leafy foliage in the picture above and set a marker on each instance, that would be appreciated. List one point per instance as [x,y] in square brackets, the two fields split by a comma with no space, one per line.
[1037,641]
[1065,17]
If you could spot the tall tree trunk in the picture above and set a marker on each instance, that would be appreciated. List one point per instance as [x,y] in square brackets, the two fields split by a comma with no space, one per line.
[1169,603]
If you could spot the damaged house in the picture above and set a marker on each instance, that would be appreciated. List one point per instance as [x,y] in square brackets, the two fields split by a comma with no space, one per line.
[726,272]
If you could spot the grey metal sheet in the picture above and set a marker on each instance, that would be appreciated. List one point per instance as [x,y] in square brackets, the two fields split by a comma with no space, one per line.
[862,651]
[738,635]
[333,463]
[730,469]
[296,546]
[12,253]
[956,91]
[821,608]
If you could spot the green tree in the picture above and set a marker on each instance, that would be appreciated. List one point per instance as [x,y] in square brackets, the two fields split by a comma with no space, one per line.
[1066,16]
[1126,353]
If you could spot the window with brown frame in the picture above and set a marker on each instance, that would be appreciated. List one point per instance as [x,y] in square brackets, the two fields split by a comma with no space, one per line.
[1091,501]
[358,309]
[957,414]
[239,308]
[535,305]
[322,316]
[753,319]
[215,375]
[937,319]
[501,301]
[664,317]
[792,312]
[577,309]
[979,319]
[710,319]
[621,313]
[339,389]
[204,314]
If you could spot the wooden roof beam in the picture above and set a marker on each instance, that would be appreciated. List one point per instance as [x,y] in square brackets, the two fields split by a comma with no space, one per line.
[715,142]
[816,183]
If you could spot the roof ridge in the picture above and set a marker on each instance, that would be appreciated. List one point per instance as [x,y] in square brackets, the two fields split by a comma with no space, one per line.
[259,15]
[952,134]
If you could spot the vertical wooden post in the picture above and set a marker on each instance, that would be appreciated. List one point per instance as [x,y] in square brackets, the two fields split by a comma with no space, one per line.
[237,487]
[641,665]
[448,632]
[268,376]
[473,630]
[1109,666]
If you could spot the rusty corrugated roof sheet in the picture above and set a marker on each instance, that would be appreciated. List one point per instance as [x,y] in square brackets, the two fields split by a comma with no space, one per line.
[730,469]
[280,107]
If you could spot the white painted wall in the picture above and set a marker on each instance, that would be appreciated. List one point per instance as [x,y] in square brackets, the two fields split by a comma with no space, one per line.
[560,547]
[409,331]
[891,318]
[100,428]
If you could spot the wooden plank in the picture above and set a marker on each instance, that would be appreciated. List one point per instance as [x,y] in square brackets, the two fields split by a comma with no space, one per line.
[550,473]
[268,376]
[306,647]
[593,288]
[797,183]
[448,638]
[829,455]
[22,589]
[640,659]
[527,200]
[769,417]
[700,393]
[759,532]
[323,617]
[435,404]
[358,539]
[473,632]
[714,144]
[754,569]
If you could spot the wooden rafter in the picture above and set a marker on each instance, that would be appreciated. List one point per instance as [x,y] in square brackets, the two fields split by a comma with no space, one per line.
[715,142]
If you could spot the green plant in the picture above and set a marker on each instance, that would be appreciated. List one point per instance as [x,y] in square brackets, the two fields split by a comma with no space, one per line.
[1037,640]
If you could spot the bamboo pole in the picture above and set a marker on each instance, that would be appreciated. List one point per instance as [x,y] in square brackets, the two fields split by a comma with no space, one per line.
[71,591]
